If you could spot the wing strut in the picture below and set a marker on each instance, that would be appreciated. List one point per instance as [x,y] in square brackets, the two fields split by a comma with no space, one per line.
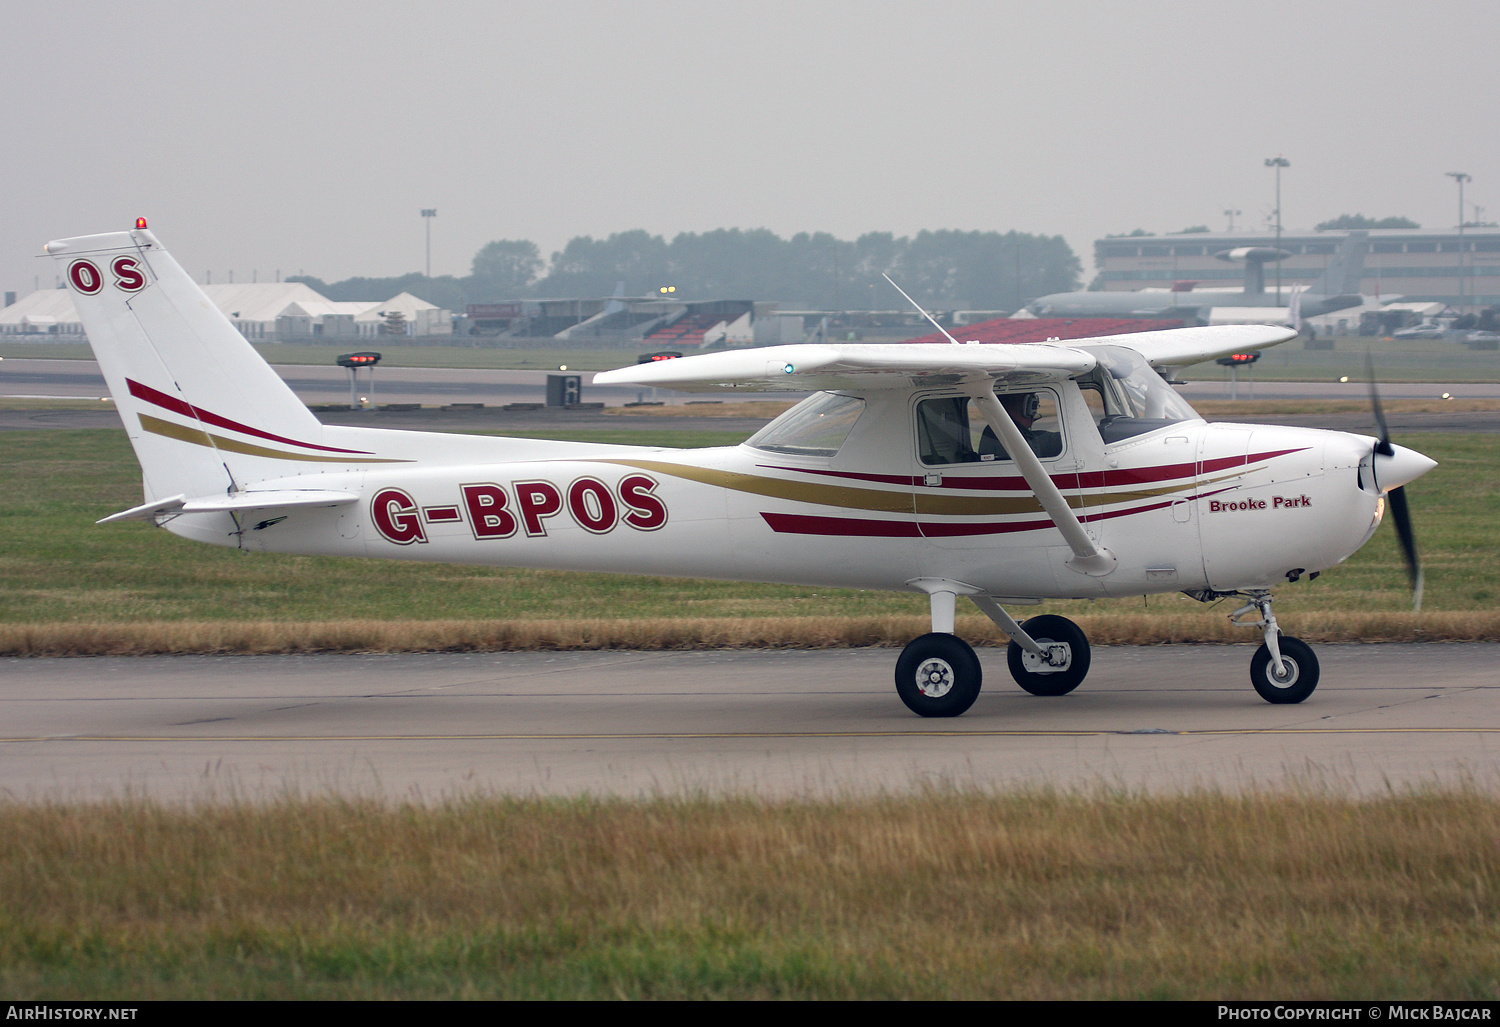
[1088,558]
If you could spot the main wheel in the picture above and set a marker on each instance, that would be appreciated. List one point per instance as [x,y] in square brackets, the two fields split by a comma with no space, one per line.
[938,675]
[1300,675]
[1036,675]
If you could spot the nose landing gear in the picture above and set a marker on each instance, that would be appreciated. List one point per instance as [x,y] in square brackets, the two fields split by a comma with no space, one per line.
[1284,669]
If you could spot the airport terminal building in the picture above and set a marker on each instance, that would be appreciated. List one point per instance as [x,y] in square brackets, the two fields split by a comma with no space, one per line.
[1462,271]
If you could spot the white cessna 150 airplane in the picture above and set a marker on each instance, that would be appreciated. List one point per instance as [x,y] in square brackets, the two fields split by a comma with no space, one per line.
[1006,473]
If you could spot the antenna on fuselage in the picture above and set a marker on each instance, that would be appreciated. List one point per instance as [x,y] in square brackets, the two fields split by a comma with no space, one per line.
[914,303]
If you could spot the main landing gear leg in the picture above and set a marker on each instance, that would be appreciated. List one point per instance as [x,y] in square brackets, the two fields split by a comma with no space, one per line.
[1284,669]
[938,675]
[1048,655]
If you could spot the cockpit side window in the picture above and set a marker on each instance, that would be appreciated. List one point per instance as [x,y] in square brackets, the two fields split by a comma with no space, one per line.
[950,429]
[1127,397]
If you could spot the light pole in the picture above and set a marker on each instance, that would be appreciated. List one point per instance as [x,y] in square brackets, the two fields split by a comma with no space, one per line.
[1460,178]
[1278,163]
[428,213]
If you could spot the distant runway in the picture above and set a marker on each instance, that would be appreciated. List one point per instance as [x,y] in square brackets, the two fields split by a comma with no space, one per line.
[1163,718]
[438,387]
[316,384]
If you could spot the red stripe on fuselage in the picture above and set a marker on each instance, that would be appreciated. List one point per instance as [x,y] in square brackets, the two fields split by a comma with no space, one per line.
[859,527]
[177,406]
[1083,479]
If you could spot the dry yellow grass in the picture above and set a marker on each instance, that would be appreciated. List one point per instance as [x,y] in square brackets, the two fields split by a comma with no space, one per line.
[262,637]
[939,895]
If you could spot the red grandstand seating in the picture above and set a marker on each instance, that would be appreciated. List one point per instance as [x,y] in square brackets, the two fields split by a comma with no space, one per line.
[687,330]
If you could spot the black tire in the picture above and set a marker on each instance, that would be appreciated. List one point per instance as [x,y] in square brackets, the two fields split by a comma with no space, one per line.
[1044,629]
[938,675]
[1302,672]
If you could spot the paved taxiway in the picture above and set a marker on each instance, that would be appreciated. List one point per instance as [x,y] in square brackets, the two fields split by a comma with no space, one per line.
[1162,718]
[438,387]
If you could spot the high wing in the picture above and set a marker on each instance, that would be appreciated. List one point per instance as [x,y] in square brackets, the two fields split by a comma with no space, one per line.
[881,366]
[875,366]
[1179,347]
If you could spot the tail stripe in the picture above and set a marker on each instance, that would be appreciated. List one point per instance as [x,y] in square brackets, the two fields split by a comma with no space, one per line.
[178,406]
[182,433]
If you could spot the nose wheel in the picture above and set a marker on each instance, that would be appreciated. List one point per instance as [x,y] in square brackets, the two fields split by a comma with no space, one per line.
[1284,669]
[1295,680]
[938,675]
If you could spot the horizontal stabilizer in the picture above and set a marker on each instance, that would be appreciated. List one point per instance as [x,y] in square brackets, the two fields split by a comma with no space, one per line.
[233,502]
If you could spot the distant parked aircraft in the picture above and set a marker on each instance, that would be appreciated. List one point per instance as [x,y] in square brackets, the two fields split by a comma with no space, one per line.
[1336,289]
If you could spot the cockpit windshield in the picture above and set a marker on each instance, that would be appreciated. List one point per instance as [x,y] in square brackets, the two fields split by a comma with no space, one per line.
[1128,397]
[817,426]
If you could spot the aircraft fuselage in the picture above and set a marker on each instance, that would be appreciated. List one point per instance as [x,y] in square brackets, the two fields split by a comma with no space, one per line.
[1188,506]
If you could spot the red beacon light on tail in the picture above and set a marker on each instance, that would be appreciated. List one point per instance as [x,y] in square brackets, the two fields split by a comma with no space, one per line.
[1237,359]
[140,223]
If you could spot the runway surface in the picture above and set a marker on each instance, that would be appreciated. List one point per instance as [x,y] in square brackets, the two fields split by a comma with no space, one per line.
[435,388]
[1162,718]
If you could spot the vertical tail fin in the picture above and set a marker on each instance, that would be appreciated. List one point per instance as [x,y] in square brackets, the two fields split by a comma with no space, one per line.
[1345,270]
[204,412]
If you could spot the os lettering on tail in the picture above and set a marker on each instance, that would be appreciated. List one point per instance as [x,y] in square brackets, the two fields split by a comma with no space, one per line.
[128,274]
[84,275]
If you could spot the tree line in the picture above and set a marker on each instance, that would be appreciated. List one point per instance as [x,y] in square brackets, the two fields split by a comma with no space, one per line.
[940,269]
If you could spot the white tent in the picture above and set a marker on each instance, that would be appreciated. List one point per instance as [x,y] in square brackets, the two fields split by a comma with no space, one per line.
[44,312]
[253,307]
[421,317]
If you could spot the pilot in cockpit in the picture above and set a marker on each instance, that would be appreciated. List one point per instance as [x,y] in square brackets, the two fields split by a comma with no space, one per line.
[1023,408]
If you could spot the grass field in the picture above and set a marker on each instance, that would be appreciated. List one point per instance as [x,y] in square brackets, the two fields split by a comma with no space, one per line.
[67,585]
[936,896]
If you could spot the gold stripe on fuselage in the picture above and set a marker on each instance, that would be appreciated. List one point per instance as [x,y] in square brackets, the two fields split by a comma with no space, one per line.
[849,497]
[183,433]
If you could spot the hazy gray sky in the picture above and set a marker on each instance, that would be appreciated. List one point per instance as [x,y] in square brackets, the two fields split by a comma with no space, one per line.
[265,135]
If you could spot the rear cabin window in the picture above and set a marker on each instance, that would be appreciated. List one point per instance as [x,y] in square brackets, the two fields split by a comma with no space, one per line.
[950,430]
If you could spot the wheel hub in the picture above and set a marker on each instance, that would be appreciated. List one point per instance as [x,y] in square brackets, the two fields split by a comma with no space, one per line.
[1058,657]
[934,678]
[1287,677]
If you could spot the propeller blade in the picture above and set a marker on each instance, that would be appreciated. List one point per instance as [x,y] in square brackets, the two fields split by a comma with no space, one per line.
[1383,447]
[1402,517]
[1400,512]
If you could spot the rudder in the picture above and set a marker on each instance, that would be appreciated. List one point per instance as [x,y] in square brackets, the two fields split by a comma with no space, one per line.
[203,411]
